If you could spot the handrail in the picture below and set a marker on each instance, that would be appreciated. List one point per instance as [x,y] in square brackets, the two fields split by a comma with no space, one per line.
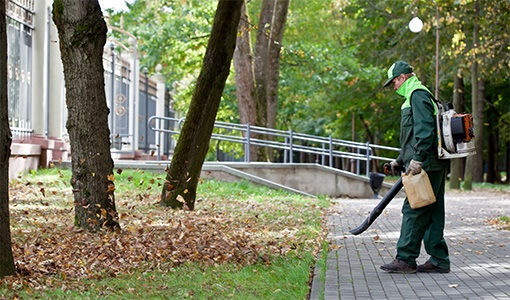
[288,141]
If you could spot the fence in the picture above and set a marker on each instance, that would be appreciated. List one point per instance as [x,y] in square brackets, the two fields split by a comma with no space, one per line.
[326,149]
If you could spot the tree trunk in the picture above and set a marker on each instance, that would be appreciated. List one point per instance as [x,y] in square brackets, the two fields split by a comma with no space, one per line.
[261,59]
[245,80]
[82,36]
[458,105]
[265,68]
[260,66]
[182,177]
[6,258]
[273,70]
[470,161]
[273,67]
[507,164]
[478,167]
[493,146]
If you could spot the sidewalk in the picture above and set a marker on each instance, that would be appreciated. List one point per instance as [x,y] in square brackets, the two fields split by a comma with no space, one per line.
[479,253]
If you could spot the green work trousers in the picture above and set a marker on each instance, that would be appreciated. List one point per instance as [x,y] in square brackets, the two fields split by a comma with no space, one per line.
[425,224]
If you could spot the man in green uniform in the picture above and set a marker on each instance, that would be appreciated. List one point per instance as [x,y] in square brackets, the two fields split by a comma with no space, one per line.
[418,142]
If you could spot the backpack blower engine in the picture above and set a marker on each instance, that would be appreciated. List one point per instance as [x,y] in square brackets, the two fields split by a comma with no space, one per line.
[456,133]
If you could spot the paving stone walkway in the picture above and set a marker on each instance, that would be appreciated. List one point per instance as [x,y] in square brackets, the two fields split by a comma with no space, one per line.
[479,252]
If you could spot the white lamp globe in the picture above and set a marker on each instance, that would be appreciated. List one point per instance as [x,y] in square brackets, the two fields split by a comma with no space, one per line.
[415,25]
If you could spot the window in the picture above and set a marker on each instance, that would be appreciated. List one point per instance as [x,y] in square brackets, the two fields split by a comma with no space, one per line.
[19,67]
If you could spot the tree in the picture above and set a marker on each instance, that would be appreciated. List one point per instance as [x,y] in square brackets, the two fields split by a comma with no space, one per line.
[183,175]
[245,80]
[261,69]
[280,10]
[82,36]
[473,163]
[6,258]
[456,167]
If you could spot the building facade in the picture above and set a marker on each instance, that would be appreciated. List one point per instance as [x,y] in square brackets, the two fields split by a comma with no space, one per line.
[36,92]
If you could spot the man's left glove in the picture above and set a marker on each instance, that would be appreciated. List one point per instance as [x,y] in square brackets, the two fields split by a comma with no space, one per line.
[414,167]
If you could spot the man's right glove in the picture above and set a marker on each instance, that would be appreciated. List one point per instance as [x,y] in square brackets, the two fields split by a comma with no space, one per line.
[392,167]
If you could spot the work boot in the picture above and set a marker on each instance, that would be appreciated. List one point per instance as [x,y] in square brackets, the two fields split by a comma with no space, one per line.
[428,267]
[399,266]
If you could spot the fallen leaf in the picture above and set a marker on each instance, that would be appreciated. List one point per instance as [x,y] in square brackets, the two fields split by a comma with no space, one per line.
[111,188]
[180,199]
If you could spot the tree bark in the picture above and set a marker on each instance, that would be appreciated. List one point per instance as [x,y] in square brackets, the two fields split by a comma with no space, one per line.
[273,70]
[272,19]
[182,177]
[507,164]
[478,167]
[459,106]
[470,161]
[261,59]
[493,146]
[82,36]
[245,80]
[6,258]
[260,66]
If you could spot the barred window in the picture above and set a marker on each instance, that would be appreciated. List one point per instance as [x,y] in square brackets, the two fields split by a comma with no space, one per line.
[20,15]
[19,75]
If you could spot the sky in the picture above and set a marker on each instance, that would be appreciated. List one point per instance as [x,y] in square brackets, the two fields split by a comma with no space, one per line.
[114,4]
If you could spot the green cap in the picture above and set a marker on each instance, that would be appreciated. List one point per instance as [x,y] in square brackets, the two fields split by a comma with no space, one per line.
[396,69]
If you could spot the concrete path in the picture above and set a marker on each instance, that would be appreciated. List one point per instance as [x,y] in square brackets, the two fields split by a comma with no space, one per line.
[479,253]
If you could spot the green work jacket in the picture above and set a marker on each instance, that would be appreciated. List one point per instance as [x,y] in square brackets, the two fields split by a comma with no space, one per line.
[418,130]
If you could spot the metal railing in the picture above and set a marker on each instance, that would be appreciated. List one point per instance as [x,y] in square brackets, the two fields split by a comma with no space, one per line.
[326,149]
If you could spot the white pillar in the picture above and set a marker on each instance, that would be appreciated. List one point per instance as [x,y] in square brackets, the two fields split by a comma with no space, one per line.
[57,107]
[39,79]
[134,94]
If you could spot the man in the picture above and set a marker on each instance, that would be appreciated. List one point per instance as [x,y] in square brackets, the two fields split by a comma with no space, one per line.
[418,142]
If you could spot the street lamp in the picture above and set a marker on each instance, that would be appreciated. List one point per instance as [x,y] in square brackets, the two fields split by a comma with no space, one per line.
[112,92]
[134,85]
[146,137]
[416,25]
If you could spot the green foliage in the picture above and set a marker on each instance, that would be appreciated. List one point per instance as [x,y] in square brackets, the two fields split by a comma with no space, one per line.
[334,58]
[173,34]
[334,87]
[58,9]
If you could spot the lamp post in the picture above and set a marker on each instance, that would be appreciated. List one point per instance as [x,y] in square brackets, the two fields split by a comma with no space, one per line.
[134,86]
[112,92]
[416,25]
[146,137]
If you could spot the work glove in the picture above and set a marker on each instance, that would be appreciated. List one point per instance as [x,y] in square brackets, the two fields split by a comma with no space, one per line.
[392,167]
[414,167]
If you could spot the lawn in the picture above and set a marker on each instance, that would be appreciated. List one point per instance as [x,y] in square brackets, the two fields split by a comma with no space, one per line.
[243,241]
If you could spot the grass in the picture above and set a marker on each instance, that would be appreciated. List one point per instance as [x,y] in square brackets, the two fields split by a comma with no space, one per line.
[193,281]
[243,242]
[501,223]
[505,219]
[491,186]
